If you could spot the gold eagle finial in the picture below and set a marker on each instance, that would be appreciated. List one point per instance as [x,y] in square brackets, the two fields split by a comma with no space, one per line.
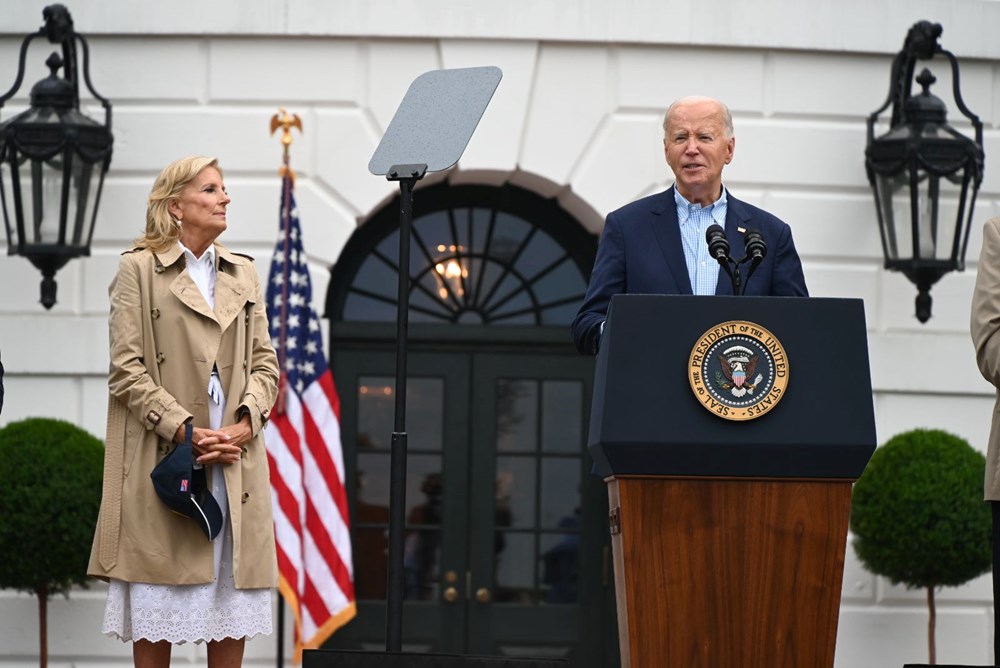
[286,122]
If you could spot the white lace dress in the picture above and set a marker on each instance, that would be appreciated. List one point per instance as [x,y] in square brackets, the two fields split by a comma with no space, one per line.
[192,613]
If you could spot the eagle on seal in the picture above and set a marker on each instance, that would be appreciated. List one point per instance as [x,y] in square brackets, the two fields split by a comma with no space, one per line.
[738,364]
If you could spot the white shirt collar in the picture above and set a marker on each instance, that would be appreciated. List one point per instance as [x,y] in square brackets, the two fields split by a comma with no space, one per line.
[684,207]
[202,271]
[208,254]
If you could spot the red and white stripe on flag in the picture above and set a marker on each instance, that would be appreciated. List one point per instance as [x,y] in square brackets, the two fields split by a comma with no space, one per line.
[311,521]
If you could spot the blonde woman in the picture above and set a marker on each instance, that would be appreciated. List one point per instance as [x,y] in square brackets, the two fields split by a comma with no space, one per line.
[189,344]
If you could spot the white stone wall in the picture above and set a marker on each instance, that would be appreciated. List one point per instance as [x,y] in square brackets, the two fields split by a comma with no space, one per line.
[576,116]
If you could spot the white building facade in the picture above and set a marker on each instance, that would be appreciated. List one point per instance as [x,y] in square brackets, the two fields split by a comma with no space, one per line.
[576,118]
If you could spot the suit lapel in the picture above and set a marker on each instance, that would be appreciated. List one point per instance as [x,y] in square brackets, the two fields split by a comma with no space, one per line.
[737,223]
[667,231]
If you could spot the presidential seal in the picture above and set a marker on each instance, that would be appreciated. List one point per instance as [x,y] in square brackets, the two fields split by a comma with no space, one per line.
[738,370]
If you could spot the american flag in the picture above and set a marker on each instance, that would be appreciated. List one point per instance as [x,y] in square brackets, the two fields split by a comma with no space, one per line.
[311,525]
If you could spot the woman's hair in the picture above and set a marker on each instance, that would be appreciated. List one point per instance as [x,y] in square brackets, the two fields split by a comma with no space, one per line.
[162,231]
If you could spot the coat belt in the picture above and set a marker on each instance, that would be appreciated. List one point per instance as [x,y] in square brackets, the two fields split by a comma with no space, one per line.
[114,473]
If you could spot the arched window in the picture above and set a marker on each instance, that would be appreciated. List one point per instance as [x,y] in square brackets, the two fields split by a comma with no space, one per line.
[498,479]
[480,255]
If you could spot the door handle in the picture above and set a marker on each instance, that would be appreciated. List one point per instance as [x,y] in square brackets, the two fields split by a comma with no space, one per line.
[483,595]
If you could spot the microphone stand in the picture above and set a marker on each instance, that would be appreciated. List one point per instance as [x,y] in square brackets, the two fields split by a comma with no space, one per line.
[754,263]
[718,247]
[732,271]
[756,249]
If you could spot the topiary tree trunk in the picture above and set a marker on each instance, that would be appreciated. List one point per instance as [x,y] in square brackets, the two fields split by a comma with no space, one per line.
[43,626]
[918,515]
[51,494]
[931,628]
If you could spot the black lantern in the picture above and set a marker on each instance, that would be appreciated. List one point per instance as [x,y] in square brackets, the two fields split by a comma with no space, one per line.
[925,174]
[53,159]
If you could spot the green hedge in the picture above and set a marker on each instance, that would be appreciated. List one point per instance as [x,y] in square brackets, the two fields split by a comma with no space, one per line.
[50,493]
[918,515]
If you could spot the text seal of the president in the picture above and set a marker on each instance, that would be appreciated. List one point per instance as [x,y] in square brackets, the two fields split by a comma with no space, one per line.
[738,370]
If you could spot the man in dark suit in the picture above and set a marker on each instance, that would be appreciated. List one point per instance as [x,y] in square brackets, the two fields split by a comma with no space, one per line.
[657,245]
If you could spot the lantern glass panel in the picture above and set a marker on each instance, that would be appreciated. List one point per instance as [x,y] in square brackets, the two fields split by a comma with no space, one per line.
[82,204]
[41,186]
[6,200]
[933,219]
[894,201]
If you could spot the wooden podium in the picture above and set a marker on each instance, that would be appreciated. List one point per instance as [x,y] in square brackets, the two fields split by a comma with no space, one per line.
[729,536]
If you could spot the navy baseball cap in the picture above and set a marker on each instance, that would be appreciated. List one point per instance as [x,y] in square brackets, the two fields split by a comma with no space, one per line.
[184,490]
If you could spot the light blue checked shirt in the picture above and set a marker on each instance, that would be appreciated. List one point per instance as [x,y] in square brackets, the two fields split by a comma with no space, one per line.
[694,220]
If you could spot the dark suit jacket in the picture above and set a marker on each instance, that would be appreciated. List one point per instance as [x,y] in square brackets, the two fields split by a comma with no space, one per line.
[641,253]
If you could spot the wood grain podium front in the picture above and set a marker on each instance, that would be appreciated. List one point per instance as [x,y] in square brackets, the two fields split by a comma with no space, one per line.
[729,537]
[728,572]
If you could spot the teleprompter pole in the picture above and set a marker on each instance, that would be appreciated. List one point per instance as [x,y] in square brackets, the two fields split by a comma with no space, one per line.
[407,175]
[428,133]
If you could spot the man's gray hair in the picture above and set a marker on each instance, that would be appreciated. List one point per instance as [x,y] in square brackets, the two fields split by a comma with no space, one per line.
[727,117]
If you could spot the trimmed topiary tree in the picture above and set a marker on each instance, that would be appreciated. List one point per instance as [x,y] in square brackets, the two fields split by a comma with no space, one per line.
[51,493]
[918,515]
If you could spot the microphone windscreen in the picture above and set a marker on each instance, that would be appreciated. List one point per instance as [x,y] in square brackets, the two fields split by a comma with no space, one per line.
[755,246]
[718,245]
[713,232]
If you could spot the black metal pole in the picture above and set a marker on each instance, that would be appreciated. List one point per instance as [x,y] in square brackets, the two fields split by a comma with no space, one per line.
[281,631]
[407,175]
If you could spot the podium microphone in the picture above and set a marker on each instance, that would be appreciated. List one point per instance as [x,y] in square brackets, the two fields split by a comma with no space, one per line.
[718,245]
[756,251]
[718,248]
[755,246]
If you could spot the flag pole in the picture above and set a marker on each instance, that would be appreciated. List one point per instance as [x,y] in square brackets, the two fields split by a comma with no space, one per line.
[286,122]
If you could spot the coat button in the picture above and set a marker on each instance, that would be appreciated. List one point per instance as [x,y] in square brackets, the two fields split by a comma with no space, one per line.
[164,449]
[245,450]
[155,313]
[246,319]
[160,357]
[244,364]
[246,496]
[159,269]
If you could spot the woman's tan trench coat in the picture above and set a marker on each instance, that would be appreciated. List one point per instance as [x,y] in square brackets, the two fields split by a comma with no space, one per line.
[985,324]
[164,341]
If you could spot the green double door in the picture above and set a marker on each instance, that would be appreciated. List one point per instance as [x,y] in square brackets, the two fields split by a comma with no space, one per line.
[506,549]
